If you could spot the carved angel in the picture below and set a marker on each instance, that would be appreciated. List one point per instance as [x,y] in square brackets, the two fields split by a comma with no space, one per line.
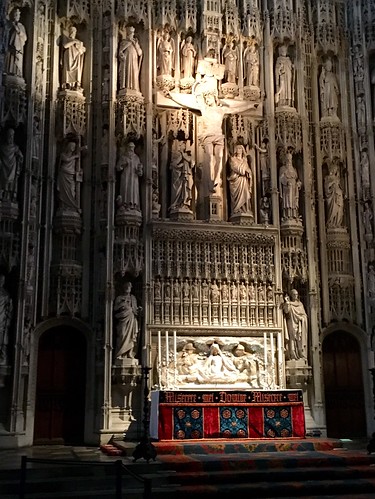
[165,54]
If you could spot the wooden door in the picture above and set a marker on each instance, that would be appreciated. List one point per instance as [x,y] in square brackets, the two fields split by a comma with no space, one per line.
[344,395]
[60,392]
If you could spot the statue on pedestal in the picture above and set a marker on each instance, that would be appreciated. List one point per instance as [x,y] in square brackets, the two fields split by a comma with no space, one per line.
[284,77]
[251,63]
[68,176]
[182,178]
[188,55]
[290,186]
[240,182]
[334,198]
[130,60]
[11,159]
[230,56]
[329,91]
[165,54]
[72,61]
[131,169]
[296,327]
[126,312]
[6,311]
[16,42]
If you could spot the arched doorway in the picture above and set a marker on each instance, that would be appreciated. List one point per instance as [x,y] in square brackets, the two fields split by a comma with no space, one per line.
[60,389]
[343,386]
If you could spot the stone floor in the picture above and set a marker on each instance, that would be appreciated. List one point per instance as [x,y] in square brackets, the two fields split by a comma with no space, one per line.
[11,459]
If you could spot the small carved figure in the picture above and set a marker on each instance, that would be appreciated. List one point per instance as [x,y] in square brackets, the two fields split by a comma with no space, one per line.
[260,292]
[204,290]
[6,311]
[35,145]
[131,169]
[329,91]
[16,42]
[167,290]
[195,290]
[233,292]
[105,85]
[11,160]
[157,289]
[365,173]
[188,55]
[371,281]
[165,54]
[334,197]
[361,113]
[246,364]
[186,289]
[225,292]
[243,292]
[182,177]
[215,292]
[130,60]
[264,166]
[187,359]
[290,186]
[296,327]
[251,292]
[368,220]
[240,182]
[126,312]
[265,210]
[72,60]
[176,290]
[251,63]
[230,56]
[68,176]
[284,76]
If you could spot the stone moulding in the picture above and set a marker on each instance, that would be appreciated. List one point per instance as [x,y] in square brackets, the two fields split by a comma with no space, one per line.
[219,234]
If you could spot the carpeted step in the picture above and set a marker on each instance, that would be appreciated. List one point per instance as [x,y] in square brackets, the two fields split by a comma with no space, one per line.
[266,461]
[225,446]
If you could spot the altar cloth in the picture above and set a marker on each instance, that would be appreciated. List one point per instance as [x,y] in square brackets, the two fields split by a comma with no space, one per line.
[253,414]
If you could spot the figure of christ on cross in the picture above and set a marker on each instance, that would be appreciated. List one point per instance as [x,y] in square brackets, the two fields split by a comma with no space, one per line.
[212,111]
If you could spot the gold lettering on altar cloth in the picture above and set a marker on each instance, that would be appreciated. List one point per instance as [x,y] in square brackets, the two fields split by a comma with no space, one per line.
[267,397]
[236,398]
[175,398]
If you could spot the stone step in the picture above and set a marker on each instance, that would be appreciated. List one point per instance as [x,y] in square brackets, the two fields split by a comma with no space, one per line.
[280,475]
[287,489]
[78,480]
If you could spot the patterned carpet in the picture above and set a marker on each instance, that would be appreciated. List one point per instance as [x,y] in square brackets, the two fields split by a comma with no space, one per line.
[333,473]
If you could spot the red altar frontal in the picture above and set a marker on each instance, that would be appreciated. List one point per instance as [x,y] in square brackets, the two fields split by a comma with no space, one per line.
[180,415]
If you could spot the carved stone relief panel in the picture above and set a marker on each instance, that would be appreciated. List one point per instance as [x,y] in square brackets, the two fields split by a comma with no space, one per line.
[207,362]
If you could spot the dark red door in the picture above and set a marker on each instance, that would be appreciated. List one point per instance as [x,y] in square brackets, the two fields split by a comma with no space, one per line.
[344,395]
[60,392]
